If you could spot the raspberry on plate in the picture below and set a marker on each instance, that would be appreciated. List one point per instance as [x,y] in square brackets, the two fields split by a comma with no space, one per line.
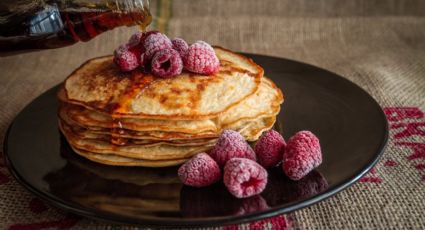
[155,42]
[231,144]
[269,149]
[166,63]
[201,58]
[138,38]
[199,171]
[302,155]
[180,45]
[126,58]
[244,177]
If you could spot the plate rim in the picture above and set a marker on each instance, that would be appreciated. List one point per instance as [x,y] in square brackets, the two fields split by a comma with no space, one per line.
[210,221]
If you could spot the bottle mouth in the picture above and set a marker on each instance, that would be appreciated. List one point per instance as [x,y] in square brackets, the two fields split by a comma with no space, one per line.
[46,21]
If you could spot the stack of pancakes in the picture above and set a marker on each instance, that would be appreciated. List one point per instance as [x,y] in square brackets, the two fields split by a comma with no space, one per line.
[136,119]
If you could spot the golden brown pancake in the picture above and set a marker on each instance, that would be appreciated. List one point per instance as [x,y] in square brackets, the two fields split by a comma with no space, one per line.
[100,85]
[110,159]
[151,153]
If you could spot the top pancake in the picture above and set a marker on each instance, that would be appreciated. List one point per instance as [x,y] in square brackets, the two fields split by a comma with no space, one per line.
[100,85]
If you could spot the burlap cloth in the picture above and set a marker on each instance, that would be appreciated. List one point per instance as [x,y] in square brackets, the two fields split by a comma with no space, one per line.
[379,45]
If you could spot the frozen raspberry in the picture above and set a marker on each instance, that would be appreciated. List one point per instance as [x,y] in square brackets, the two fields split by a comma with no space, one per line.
[122,48]
[155,42]
[180,45]
[136,42]
[201,58]
[231,144]
[126,58]
[166,63]
[205,44]
[136,51]
[244,177]
[199,171]
[269,149]
[302,154]
[138,38]
[135,39]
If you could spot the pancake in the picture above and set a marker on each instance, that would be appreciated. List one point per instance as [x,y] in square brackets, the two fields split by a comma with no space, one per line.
[100,85]
[265,102]
[152,153]
[142,135]
[156,152]
[93,118]
[110,159]
[250,130]
[106,136]
[255,129]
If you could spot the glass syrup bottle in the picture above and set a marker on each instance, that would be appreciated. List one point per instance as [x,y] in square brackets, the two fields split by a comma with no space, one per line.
[43,24]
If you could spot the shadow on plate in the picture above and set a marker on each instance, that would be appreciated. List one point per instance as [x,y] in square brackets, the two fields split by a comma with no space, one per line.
[157,192]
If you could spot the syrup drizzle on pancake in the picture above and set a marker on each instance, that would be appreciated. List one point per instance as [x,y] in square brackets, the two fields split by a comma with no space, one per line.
[140,82]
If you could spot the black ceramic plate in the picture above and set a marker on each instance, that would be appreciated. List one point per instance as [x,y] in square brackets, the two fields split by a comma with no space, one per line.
[349,123]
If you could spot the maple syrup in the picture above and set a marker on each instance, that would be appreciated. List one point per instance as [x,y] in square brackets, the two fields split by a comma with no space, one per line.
[55,26]
[116,132]
[140,81]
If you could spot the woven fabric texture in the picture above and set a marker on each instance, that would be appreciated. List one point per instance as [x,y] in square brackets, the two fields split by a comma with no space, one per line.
[379,45]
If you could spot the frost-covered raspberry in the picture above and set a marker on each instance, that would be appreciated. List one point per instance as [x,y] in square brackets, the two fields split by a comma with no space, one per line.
[244,177]
[135,39]
[136,42]
[269,149]
[201,58]
[199,171]
[155,42]
[231,144]
[122,48]
[205,44]
[302,155]
[138,38]
[126,58]
[166,63]
[180,45]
